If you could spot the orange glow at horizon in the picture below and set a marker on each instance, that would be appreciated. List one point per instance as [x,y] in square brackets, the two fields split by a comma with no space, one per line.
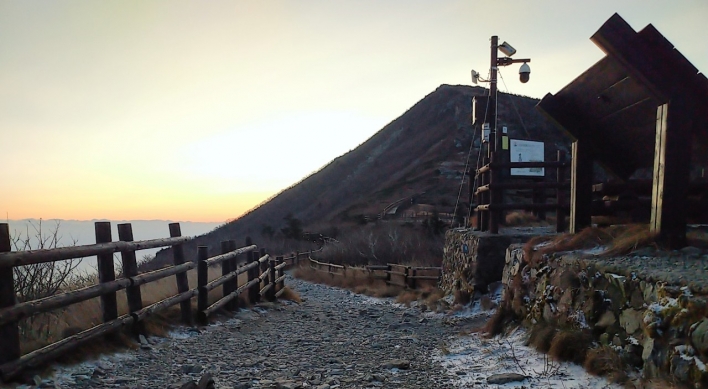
[199,111]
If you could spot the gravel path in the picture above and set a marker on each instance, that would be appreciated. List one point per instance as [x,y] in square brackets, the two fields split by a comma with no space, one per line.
[334,339]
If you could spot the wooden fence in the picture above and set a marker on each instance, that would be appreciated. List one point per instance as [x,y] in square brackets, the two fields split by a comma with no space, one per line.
[393,274]
[265,278]
[490,192]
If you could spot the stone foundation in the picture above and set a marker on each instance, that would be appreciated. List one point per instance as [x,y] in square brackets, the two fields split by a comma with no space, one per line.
[475,259]
[654,319]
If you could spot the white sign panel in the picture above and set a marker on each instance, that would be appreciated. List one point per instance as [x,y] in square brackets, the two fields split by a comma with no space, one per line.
[485,132]
[526,151]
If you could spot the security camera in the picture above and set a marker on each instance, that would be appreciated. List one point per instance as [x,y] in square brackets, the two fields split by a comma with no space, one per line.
[524,73]
[507,49]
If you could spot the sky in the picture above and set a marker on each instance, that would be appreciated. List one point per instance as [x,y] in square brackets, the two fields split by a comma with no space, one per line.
[190,110]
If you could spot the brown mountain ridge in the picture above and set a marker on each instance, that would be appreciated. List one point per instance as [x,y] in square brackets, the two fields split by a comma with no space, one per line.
[422,154]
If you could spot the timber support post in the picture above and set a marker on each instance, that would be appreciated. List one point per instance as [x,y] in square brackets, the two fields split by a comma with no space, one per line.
[182,281]
[281,272]
[271,280]
[560,194]
[130,269]
[233,284]
[225,270]
[9,332]
[581,178]
[672,166]
[106,272]
[202,280]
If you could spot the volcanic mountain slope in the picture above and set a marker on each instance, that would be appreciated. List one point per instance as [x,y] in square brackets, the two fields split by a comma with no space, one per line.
[422,153]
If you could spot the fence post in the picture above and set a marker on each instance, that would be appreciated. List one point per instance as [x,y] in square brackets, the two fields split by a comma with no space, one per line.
[413,279]
[262,267]
[233,304]
[182,281]
[560,212]
[406,281]
[106,272]
[271,292]
[252,273]
[130,269]
[388,274]
[226,269]
[9,332]
[297,259]
[202,280]
[281,272]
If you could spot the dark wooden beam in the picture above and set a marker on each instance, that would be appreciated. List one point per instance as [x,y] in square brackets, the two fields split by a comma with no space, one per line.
[581,178]
[672,163]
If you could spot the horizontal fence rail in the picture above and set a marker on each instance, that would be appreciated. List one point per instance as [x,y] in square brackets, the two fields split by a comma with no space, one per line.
[493,178]
[403,275]
[264,278]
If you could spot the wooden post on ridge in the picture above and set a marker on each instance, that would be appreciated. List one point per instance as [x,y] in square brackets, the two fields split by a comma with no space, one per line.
[106,272]
[9,332]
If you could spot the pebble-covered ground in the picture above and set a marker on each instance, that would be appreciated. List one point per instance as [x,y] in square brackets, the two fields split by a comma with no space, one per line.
[333,339]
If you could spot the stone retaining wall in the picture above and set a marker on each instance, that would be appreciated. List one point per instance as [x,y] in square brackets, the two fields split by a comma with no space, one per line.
[475,259]
[657,325]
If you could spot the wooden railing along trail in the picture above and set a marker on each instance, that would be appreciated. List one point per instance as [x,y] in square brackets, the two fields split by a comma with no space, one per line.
[393,274]
[265,279]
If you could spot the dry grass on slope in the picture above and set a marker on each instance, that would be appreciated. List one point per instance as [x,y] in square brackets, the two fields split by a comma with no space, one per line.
[610,241]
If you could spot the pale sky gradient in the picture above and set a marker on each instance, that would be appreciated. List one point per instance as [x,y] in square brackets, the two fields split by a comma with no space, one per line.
[187,110]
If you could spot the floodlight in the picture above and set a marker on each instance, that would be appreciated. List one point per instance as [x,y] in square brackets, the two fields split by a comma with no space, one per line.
[475,77]
[507,49]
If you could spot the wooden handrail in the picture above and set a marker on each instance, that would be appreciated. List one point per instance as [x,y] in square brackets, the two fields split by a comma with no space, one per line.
[30,257]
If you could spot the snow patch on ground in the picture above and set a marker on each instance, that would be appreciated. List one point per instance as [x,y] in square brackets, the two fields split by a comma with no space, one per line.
[473,358]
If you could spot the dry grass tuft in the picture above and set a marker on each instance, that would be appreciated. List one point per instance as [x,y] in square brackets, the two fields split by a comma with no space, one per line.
[604,361]
[631,238]
[541,337]
[291,295]
[496,324]
[407,297]
[619,240]
[520,218]
[570,346]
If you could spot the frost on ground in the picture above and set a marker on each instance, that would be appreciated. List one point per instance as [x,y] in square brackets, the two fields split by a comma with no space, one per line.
[474,359]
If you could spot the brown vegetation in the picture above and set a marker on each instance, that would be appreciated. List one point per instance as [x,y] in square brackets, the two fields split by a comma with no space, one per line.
[604,361]
[616,240]
[570,346]
[361,281]
[382,243]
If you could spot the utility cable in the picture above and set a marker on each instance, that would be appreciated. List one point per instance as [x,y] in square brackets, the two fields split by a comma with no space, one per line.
[523,125]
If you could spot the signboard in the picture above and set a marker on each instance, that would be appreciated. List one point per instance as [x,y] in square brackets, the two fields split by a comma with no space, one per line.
[485,132]
[526,151]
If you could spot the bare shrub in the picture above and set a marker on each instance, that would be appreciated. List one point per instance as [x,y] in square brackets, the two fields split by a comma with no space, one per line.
[40,280]
[384,243]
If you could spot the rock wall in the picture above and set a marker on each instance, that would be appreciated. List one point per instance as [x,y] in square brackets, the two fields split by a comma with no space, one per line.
[475,259]
[655,320]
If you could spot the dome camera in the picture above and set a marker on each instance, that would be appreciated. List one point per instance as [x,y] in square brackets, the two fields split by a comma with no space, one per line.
[524,73]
